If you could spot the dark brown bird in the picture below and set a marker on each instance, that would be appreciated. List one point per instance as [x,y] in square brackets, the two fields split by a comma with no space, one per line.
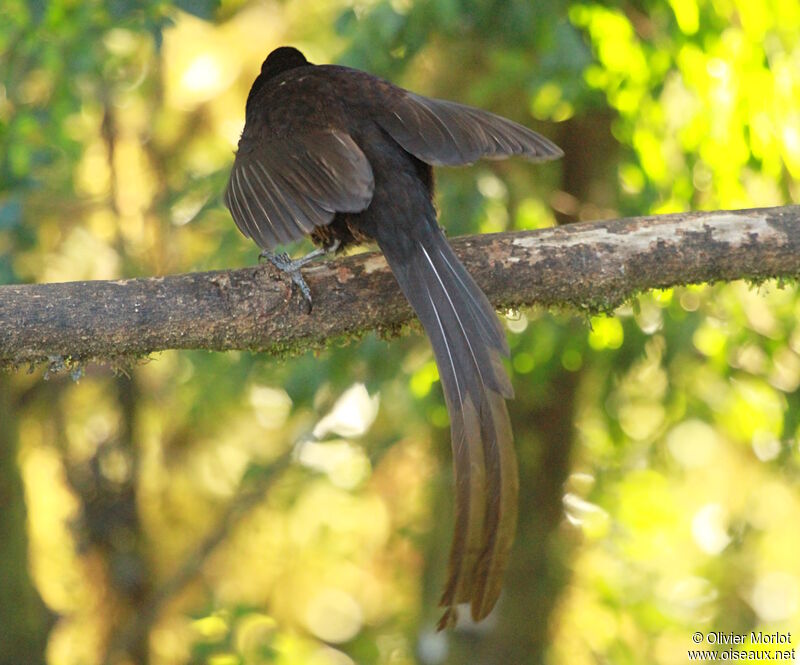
[346,157]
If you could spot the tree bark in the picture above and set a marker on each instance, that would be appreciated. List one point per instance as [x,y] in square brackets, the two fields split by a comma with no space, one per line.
[594,266]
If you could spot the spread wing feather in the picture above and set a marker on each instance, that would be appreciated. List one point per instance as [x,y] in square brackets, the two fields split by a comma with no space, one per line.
[446,133]
[281,188]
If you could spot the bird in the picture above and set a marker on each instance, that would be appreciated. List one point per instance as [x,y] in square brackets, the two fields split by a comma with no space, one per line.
[345,158]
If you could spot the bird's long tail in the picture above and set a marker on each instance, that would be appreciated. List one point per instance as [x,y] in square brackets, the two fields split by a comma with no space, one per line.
[468,344]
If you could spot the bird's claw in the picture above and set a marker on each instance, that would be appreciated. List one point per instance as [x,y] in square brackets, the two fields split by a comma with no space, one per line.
[291,268]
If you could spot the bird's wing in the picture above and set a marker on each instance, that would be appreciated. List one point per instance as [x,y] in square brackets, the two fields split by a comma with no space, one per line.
[444,133]
[281,188]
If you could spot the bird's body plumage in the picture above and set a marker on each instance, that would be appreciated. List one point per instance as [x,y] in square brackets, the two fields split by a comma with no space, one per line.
[341,155]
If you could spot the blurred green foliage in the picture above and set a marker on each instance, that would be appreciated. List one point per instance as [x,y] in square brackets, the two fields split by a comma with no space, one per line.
[659,448]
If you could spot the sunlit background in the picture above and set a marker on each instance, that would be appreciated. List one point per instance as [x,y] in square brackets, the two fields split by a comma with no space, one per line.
[237,509]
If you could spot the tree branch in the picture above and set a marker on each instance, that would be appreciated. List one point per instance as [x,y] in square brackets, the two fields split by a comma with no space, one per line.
[592,265]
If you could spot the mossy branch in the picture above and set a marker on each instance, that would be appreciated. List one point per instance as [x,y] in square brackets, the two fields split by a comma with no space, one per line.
[593,266]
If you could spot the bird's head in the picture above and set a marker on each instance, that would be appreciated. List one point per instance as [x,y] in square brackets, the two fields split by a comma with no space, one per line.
[282,59]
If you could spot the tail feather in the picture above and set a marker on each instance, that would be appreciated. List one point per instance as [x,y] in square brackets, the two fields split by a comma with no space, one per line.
[501,508]
[468,344]
[473,311]
[468,453]
[477,302]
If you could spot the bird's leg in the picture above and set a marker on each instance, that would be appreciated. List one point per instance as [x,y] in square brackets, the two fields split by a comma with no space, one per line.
[292,267]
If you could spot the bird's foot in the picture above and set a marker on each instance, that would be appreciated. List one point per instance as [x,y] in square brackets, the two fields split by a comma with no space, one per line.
[291,267]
